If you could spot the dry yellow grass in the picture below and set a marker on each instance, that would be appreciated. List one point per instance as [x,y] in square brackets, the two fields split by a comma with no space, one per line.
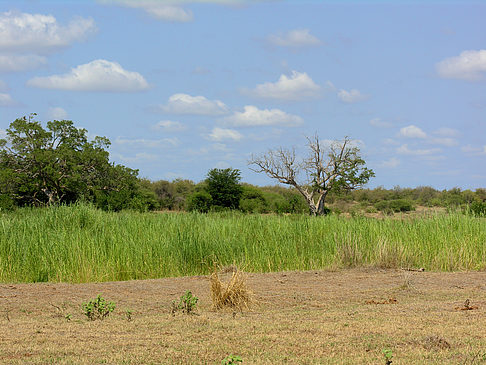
[234,295]
[312,317]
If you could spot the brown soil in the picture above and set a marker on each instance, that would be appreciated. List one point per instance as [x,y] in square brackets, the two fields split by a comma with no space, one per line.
[314,317]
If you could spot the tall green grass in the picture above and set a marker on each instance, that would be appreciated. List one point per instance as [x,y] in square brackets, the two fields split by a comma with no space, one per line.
[82,244]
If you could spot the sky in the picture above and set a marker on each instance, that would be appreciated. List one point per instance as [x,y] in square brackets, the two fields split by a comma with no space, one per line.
[183,86]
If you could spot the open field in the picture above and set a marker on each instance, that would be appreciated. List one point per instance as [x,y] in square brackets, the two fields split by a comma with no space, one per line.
[312,317]
[82,244]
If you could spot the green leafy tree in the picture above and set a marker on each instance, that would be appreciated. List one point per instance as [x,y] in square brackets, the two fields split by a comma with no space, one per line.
[338,167]
[224,187]
[60,165]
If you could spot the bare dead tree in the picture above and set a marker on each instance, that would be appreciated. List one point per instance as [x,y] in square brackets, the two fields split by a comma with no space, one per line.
[338,166]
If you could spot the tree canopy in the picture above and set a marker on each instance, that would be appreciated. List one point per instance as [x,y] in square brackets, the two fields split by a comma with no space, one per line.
[58,164]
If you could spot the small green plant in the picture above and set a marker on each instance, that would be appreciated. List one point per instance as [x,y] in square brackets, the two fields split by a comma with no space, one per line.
[187,303]
[128,314]
[98,308]
[68,317]
[231,359]
[388,354]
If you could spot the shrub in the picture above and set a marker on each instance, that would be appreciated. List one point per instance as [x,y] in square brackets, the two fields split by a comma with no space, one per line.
[187,303]
[478,209]
[98,308]
[396,205]
[200,201]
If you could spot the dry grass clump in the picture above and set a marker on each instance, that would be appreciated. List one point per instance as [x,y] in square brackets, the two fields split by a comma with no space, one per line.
[436,342]
[234,295]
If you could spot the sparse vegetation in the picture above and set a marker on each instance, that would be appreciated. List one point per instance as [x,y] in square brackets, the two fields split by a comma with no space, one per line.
[187,304]
[231,359]
[98,308]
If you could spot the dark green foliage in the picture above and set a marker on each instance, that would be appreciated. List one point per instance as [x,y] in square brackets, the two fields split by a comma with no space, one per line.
[199,201]
[253,200]
[478,208]
[224,187]
[395,205]
[59,165]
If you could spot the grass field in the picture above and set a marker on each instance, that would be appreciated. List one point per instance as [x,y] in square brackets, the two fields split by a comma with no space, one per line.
[81,244]
[315,317]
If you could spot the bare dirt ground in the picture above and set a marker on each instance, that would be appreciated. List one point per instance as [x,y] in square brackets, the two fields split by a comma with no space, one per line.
[314,317]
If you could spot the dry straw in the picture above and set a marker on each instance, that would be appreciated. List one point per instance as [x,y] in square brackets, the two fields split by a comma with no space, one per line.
[234,295]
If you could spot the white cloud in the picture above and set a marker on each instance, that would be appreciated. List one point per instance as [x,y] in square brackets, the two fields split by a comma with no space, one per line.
[169,126]
[377,122]
[390,163]
[352,96]
[447,132]
[297,86]
[57,113]
[221,134]
[98,75]
[444,141]
[196,105]
[412,131]
[12,62]
[404,150]
[37,33]
[6,100]
[469,65]
[163,10]
[294,38]
[390,142]
[253,117]
[138,158]
[152,143]
[469,149]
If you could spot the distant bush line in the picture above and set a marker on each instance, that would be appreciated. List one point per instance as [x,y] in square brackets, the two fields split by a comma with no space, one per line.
[178,194]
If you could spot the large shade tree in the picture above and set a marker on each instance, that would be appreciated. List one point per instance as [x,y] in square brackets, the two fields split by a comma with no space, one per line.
[328,166]
[59,165]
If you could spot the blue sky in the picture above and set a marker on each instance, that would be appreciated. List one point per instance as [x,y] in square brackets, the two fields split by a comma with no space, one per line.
[183,86]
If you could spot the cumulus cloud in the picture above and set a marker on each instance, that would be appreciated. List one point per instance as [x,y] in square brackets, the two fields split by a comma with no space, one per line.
[222,134]
[57,113]
[6,100]
[98,75]
[12,62]
[39,34]
[169,126]
[412,131]
[294,38]
[469,65]
[379,123]
[405,150]
[297,86]
[352,96]
[253,117]
[196,105]
[390,163]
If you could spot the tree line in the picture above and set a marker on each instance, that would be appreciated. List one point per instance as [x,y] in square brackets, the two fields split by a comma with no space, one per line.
[58,164]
